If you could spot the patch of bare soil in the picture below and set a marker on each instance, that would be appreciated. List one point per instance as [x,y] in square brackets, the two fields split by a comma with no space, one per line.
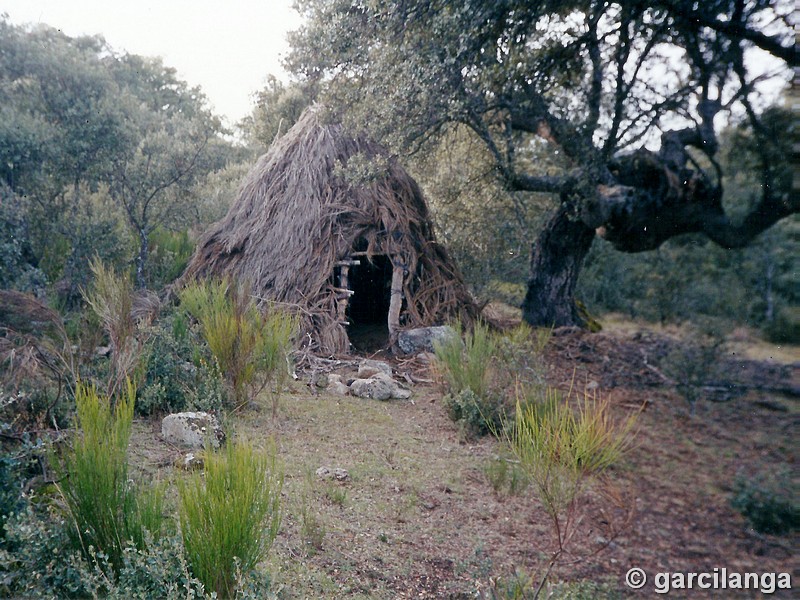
[417,516]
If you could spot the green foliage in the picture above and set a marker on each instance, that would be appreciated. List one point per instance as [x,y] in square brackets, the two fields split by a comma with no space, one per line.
[559,447]
[785,326]
[480,373]
[111,298]
[505,476]
[179,373]
[231,512]
[769,504]
[466,365]
[105,509]
[43,565]
[251,349]
[169,253]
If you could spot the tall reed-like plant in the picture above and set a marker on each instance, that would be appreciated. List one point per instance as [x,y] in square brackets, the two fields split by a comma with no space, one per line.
[106,510]
[111,297]
[231,515]
[467,365]
[250,348]
[560,447]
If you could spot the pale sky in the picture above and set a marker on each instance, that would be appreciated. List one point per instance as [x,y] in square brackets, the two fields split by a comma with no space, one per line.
[227,47]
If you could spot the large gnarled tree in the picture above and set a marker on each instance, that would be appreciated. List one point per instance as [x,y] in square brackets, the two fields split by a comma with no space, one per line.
[590,82]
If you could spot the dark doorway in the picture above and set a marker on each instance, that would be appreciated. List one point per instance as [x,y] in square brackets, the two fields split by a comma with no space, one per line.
[368,308]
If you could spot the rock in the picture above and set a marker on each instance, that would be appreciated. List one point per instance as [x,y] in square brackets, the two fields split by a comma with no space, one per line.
[413,341]
[189,462]
[377,389]
[426,357]
[368,368]
[337,388]
[338,473]
[193,429]
[334,377]
[320,380]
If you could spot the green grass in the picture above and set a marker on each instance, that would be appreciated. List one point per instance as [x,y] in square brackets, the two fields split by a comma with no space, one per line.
[231,514]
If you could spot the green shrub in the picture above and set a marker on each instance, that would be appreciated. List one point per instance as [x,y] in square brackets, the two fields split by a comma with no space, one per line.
[769,506]
[170,252]
[111,298]
[477,415]
[251,349]
[481,373]
[231,512]
[785,327]
[44,565]
[559,448]
[467,365]
[179,374]
[105,509]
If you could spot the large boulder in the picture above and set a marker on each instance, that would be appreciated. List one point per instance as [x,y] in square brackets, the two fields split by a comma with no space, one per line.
[192,429]
[414,341]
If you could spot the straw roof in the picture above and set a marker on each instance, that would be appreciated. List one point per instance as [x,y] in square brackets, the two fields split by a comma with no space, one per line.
[300,210]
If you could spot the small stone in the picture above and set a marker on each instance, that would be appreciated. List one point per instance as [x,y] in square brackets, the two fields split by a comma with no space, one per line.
[426,357]
[334,377]
[338,473]
[367,368]
[337,388]
[190,462]
[320,380]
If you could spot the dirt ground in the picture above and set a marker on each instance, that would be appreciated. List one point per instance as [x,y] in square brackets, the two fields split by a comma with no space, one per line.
[418,516]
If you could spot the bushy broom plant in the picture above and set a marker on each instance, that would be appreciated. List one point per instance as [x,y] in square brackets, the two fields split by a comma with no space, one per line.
[105,510]
[230,516]
[560,446]
[250,348]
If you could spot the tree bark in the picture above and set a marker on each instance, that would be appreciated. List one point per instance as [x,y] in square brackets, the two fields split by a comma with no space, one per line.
[141,259]
[556,260]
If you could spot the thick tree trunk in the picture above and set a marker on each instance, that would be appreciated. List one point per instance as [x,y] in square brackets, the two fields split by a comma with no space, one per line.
[556,259]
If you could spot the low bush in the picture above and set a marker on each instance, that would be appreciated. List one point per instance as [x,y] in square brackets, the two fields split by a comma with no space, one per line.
[769,505]
[179,373]
[480,373]
[560,447]
[230,516]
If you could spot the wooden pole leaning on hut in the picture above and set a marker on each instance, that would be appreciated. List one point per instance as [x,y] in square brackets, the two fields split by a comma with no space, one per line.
[395,301]
[343,291]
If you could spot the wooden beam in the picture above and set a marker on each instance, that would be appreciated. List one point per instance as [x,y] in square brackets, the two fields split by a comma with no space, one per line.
[395,301]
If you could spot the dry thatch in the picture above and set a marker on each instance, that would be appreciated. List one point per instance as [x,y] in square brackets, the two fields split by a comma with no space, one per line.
[300,212]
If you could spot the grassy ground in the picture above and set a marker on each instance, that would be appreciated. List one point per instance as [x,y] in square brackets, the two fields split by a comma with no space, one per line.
[427,513]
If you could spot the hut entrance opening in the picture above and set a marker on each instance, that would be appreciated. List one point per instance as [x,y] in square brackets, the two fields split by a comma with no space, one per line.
[368,306]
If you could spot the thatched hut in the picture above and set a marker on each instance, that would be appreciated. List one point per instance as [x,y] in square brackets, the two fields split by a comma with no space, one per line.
[334,228]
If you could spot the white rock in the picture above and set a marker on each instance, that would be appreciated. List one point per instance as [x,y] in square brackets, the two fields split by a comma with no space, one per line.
[193,429]
[338,473]
[377,389]
[367,368]
[413,341]
[337,388]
